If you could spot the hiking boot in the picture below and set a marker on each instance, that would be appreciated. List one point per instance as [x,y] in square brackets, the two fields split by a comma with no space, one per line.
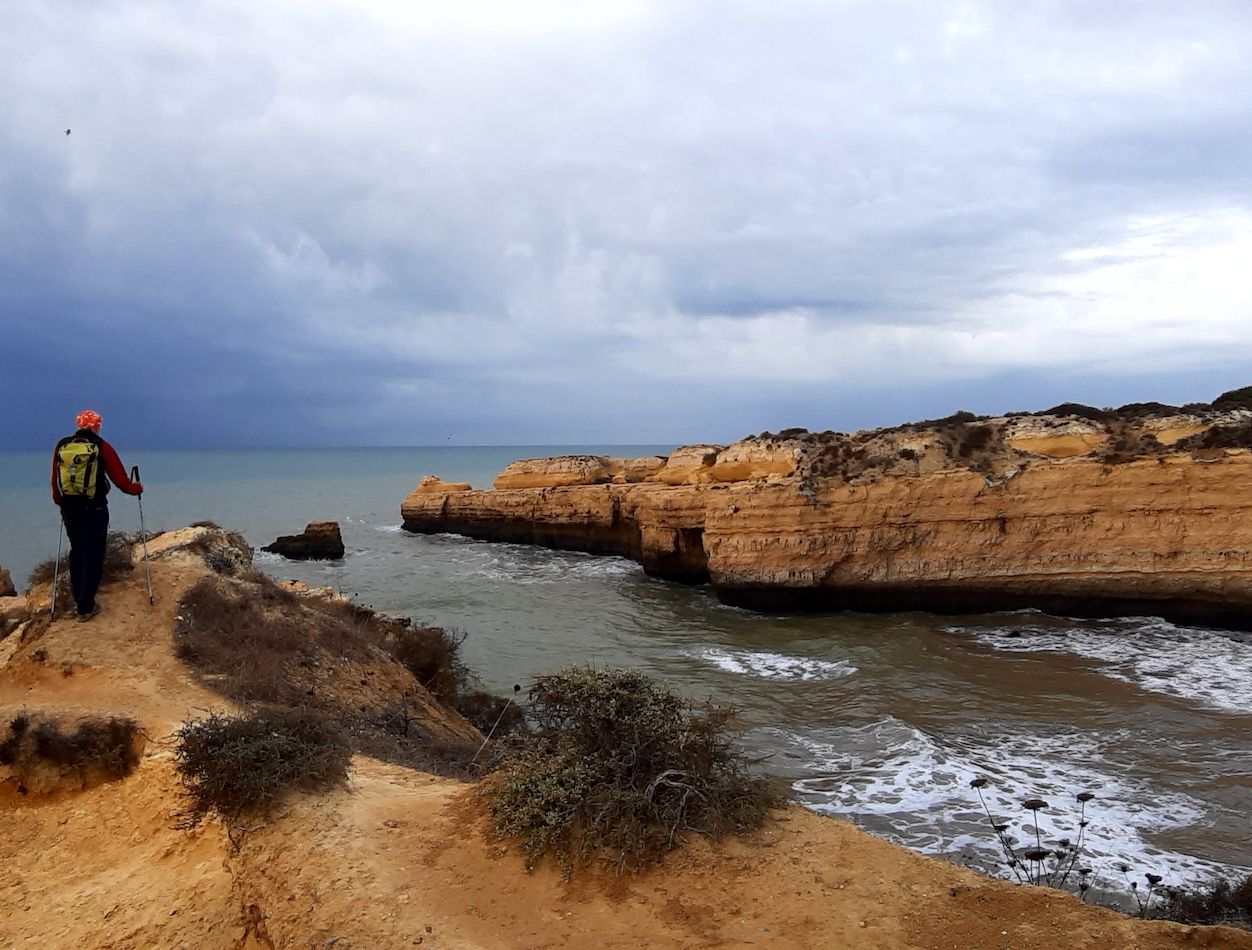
[83,618]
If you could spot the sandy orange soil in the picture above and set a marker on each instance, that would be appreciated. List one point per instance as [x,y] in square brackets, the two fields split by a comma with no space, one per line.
[398,858]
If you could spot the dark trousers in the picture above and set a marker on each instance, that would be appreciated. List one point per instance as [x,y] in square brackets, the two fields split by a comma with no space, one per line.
[88,531]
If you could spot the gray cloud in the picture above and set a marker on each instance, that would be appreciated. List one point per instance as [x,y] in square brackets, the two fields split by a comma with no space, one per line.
[378,223]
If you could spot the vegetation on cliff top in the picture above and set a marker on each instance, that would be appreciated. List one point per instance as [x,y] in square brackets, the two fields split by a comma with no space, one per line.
[619,768]
[989,445]
[1227,401]
[238,766]
[266,646]
[42,755]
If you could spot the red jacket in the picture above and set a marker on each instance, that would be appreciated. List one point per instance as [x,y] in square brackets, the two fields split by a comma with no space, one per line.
[113,468]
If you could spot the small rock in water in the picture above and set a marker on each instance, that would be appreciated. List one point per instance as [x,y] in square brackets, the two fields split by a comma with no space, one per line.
[320,541]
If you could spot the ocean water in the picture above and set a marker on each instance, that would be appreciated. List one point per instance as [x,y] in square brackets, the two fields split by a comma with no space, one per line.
[882,720]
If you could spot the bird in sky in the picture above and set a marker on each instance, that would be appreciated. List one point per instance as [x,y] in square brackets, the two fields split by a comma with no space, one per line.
[67,131]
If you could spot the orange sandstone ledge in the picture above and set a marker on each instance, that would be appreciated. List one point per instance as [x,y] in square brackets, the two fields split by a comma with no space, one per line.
[1083,517]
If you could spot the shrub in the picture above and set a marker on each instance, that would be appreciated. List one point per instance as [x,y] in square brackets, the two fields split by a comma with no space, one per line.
[1234,399]
[1145,410]
[620,767]
[490,714]
[1125,445]
[239,766]
[1218,437]
[433,656]
[1078,409]
[262,644]
[1221,902]
[975,439]
[41,756]
[960,417]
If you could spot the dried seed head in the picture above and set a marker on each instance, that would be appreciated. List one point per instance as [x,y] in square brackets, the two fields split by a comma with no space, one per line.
[1085,796]
[1034,804]
[1037,854]
[1153,879]
[977,782]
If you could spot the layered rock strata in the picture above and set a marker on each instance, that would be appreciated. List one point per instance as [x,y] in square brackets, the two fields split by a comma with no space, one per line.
[1059,514]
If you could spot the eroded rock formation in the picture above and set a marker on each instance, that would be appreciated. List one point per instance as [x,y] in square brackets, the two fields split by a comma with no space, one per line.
[1125,515]
[320,541]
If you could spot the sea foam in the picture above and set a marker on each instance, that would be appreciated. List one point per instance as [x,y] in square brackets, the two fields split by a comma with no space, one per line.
[775,665]
[1204,667]
[899,782]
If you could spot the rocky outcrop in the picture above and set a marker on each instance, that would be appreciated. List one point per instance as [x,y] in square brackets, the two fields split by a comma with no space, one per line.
[1054,438]
[966,515]
[6,584]
[14,611]
[320,541]
[433,483]
[555,472]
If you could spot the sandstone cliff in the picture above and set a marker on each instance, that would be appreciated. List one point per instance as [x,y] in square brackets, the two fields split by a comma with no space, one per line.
[1075,514]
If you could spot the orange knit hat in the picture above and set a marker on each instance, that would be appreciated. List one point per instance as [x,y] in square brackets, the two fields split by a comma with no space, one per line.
[88,419]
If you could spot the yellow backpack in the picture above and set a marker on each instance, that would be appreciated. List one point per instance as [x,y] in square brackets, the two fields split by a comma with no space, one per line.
[78,464]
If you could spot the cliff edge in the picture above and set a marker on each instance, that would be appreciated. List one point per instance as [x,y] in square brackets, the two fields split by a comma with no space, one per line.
[397,858]
[1084,513]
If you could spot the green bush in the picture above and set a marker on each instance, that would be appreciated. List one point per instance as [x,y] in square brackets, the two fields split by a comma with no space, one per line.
[242,765]
[619,767]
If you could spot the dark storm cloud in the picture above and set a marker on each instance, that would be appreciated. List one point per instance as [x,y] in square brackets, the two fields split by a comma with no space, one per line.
[381,222]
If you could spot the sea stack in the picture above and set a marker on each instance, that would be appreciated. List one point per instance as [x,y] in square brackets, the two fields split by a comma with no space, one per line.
[320,541]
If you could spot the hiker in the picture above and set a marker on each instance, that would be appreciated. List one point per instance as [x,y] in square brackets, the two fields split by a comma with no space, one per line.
[83,464]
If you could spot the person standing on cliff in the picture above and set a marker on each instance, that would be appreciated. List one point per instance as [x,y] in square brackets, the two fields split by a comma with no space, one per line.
[83,464]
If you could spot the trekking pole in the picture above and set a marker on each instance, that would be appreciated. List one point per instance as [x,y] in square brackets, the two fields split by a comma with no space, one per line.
[56,575]
[143,534]
[516,689]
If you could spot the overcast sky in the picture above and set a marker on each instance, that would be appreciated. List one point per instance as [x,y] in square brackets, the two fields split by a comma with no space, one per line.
[533,221]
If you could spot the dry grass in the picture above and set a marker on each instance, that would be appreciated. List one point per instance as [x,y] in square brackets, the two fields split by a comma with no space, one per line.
[264,645]
[42,756]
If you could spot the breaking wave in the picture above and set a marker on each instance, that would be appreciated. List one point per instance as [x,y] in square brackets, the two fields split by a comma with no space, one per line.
[1199,666]
[897,781]
[775,665]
